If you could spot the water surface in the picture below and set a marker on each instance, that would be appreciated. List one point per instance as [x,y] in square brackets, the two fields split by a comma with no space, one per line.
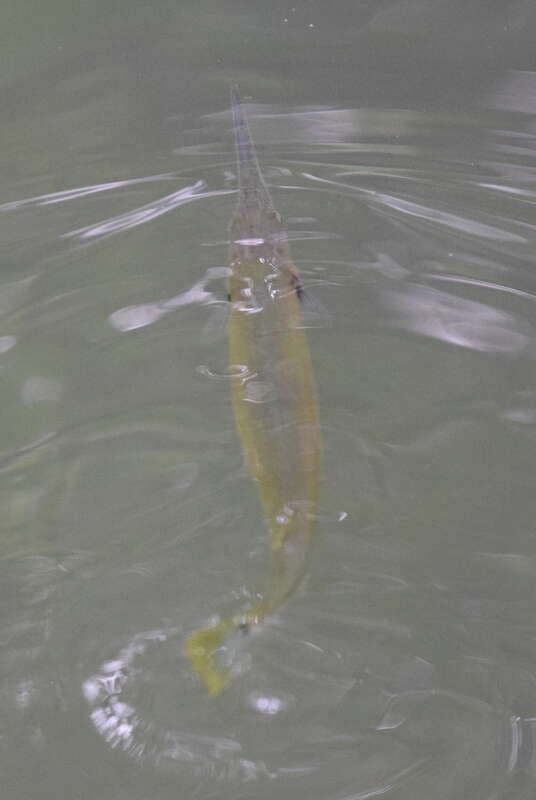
[398,140]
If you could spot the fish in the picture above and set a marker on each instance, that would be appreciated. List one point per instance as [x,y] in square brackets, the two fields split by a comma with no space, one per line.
[274,399]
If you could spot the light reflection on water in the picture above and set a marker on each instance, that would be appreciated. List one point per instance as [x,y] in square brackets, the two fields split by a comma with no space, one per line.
[128,519]
[456,320]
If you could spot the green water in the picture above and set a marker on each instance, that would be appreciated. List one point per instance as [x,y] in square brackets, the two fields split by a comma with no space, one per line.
[398,140]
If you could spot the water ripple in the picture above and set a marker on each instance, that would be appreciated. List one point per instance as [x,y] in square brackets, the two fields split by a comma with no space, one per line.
[456,320]
[81,191]
[431,214]
[139,316]
[124,727]
[146,213]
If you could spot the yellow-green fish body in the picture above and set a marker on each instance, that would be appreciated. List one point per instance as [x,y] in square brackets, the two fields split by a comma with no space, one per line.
[274,397]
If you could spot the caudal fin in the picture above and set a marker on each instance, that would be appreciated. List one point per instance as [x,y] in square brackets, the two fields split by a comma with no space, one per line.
[203,648]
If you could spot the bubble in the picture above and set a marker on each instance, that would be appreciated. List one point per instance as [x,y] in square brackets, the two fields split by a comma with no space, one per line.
[268,704]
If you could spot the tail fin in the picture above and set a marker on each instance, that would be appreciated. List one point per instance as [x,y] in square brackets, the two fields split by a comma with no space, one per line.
[213,653]
[202,648]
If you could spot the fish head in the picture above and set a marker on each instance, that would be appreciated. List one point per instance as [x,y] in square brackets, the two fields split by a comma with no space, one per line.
[258,231]
[260,258]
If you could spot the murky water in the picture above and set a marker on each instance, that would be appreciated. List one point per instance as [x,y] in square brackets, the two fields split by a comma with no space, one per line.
[398,140]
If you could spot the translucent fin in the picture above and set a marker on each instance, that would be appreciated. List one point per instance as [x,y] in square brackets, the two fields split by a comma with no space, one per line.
[215,328]
[314,313]
[202,648]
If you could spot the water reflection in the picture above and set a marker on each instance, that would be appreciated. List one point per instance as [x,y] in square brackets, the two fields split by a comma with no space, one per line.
[123,726]
[132,317]
[6,343]
[37,389]
[82,191]
[456,320]
[413,644]
[146,213]
[431,214]
[514,91]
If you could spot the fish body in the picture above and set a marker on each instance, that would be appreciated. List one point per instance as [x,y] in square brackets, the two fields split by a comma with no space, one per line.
[274,397]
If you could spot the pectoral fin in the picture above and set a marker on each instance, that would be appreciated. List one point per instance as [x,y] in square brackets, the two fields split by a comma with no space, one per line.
[314,313]
[215,328]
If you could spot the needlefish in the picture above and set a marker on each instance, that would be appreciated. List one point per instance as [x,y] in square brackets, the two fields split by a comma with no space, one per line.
[273,397]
